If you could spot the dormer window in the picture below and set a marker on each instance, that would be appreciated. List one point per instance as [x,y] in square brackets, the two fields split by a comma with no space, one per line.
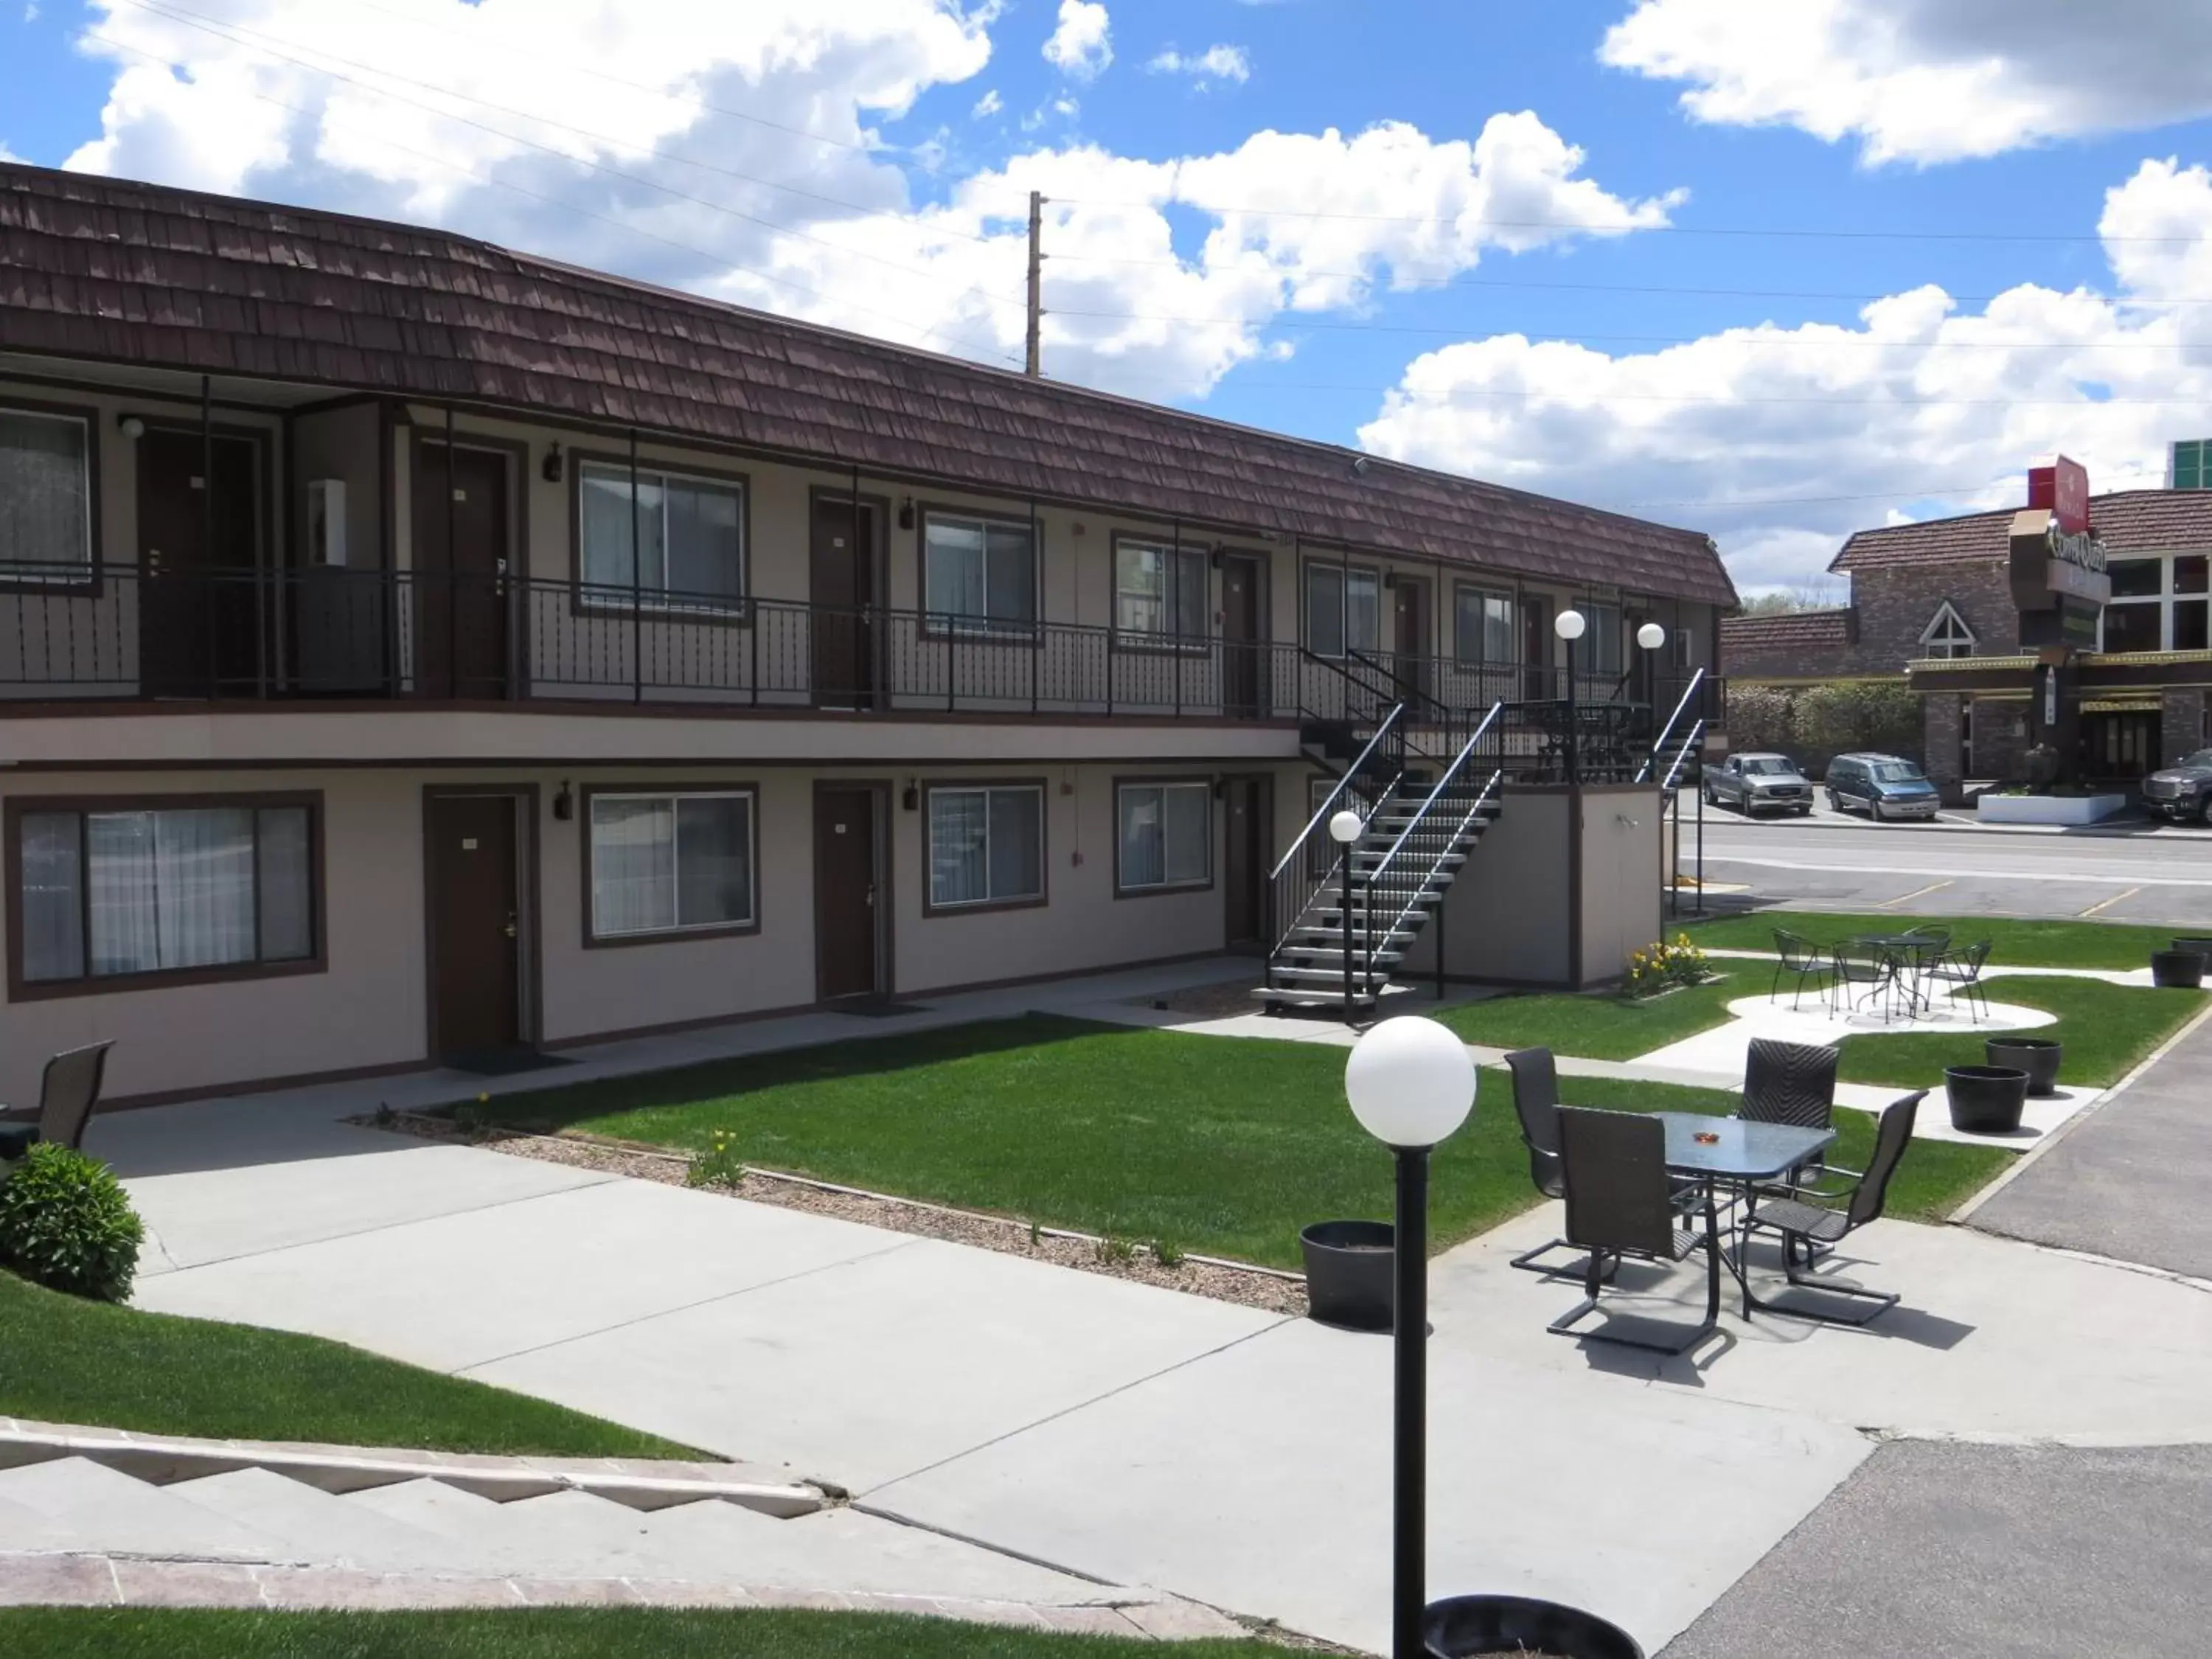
[1947,634]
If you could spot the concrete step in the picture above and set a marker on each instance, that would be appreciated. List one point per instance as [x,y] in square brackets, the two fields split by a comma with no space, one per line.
[315,1526]
[115,1513]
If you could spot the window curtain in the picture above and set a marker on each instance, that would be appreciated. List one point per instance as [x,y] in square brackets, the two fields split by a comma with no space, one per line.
[1144,856]
[287,922]
[704,554]
[52,898]
[1011,574]
[1187,832]
[632,866]
[714,861]
[44,506]
[960,846]
[203,886]
[956,567]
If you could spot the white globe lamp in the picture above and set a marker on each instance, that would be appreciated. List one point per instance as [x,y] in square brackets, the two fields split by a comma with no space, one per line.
[1410,1082]
[1568,625]
[1651,636]
[1344,828]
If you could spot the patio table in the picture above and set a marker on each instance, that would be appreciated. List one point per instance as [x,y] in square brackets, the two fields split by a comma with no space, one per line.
[1908,955]
[1741,1154]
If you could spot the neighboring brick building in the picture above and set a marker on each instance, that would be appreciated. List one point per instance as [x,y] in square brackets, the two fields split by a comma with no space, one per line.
[1932,605]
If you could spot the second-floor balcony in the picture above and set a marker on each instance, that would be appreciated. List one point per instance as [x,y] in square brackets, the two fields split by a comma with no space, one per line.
[122,633]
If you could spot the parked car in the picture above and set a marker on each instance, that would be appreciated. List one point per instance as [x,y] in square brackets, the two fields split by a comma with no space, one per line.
[2182,791]
[1759,783]
[1883,786]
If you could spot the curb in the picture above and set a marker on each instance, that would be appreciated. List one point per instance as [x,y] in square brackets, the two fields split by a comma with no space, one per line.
[163,1459]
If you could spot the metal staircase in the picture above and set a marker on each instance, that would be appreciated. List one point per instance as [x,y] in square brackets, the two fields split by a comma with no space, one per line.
[1424,789]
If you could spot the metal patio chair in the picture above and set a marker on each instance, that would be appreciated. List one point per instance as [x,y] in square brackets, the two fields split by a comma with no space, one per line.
[1801,957]
[68,1092]
[1620,1199]
[1792,1083]
[1962,971]
[1805,1221]
[1536,1103]
[1862,965]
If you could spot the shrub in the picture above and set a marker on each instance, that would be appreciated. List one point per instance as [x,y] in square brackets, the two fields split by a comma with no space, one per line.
[1663,965]
[66,1223]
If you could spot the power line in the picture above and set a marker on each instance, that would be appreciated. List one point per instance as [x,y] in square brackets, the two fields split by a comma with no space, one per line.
[1595,229]
[717,259]
[192,20]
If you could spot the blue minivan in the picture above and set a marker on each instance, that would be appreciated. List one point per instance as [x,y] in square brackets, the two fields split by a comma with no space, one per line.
[1881,785]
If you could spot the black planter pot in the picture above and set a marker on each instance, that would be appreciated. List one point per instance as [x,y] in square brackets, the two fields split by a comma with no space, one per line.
[2037,1056]
[2178,970]
[1985,1100]
[1348,1270]
[2200,943]
[1468,1625]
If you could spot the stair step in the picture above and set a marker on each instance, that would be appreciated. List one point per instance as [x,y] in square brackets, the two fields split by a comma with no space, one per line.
[313,1526]
[112,1511]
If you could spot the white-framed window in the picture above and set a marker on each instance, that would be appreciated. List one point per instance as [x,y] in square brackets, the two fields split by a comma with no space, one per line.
[1483,629]
[1162,591]
[46,496]
[986,845]
[1166,836]
[1947,634]
[979,575]
[666,863]
[688,534]
[1343,609]
[113,893]
[2158,604]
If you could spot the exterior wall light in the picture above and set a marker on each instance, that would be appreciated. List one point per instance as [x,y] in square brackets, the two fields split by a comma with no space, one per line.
[550,472]
[1411,1084]
[132,427]
[906,513]
[564,802]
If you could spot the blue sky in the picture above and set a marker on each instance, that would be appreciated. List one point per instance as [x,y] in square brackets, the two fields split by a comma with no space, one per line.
[1590,247]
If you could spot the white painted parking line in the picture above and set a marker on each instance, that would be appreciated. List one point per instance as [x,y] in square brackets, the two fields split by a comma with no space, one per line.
[2057,874]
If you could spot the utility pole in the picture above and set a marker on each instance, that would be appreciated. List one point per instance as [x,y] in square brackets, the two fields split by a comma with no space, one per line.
[1037,282]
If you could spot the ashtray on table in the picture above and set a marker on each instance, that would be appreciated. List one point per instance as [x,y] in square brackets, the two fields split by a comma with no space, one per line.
[1706,1138]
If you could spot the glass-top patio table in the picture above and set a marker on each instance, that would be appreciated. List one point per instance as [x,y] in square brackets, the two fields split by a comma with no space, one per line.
[1910,956]
[1733,1151]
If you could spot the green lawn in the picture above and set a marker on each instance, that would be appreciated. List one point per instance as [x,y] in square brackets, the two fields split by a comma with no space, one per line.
[1221,1146]
[66,1360]
[2018,944]
[548,1633]
[1600,1025]
[2108,1030]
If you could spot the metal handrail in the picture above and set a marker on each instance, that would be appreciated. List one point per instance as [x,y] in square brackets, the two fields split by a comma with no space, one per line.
[1681,758]
[1343,783]
[1466,753]
[1474,810]
[1696,679]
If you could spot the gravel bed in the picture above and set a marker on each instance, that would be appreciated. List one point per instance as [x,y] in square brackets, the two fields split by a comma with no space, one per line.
[1222,1281]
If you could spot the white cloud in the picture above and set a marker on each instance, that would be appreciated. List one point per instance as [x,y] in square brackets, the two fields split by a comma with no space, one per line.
[1918,398]
[1214,64]
[7,155]
[987,105]
[1926,81]
[1080,45]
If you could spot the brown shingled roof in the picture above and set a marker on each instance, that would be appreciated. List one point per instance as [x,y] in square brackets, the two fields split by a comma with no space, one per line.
[110,269]
[2126,521]
[1786,630]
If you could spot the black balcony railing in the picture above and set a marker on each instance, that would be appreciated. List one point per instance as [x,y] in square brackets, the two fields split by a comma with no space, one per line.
[119,632]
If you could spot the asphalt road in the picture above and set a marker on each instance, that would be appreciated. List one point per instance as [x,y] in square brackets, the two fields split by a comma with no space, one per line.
[1983,1552]
[1826,862]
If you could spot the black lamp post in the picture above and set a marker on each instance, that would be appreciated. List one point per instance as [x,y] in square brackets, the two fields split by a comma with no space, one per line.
[1344,830]
[1569,626]
[1411,1084]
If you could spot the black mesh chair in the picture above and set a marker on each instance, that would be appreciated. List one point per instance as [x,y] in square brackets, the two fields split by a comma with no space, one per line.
[1962,971]
[1806,1222]
[1792,1083]
[67,1094]
[1620,1200]
[1536,1103]
[1801,957]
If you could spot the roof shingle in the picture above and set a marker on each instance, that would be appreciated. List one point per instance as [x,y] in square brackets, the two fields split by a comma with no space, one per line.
[2126,521]
[107,268]
[1784,630]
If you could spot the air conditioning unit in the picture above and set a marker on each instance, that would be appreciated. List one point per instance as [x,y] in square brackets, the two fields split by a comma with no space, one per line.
[326,522]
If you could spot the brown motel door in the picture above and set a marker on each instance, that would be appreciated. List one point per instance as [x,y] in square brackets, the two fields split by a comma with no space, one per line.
[1409,635]
[1242,692]
[198,545]
[475,968]
[1244,872]
[845,929]
[841,583]
[460,570]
